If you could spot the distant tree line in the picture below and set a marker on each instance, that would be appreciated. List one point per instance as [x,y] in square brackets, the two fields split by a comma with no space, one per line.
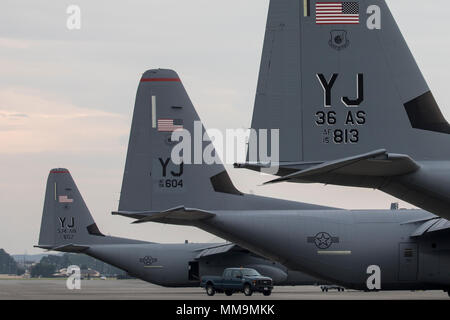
[53,263]
[8,265]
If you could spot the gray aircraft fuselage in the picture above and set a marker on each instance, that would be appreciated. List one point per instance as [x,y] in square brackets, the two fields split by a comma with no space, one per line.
[339,245]
[178,265]
[68,226]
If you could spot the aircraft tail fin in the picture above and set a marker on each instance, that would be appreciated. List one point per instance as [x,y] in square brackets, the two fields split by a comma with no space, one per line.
[67,224]
[152,181]
[66,220]
[344,83]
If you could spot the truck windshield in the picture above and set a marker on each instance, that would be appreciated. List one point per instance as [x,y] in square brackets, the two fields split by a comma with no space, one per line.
[250,273]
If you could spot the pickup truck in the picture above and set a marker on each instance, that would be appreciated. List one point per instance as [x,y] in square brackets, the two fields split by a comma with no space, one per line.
[233,280]
[327,287]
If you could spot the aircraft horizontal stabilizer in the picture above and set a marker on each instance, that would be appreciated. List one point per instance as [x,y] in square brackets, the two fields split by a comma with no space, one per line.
[65,248]
[377,163]
[434,225]
[178,214]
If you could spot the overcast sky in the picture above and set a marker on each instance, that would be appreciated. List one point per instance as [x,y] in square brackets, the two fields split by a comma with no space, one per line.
[66,97]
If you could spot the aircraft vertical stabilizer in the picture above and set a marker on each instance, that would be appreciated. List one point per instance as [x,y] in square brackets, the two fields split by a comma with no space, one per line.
[340,83]
[338,80]
[66,219]
[67,224]
[153,182]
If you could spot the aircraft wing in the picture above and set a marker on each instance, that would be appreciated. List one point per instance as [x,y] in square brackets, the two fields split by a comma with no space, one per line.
[179,214]
[378,163]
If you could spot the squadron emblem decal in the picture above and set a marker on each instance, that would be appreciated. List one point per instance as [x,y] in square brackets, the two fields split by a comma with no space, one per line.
[339,40]
[323,240]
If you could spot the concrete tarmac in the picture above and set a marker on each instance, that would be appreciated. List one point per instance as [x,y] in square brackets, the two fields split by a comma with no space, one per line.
[139,290]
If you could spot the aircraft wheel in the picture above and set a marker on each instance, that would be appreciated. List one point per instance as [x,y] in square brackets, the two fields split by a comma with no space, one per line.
[210,291]
[267,293]
[248,290]
[228,292]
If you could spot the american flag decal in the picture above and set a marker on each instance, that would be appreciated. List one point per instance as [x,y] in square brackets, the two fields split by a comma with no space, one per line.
[169,125]
[65,199]
[337,13]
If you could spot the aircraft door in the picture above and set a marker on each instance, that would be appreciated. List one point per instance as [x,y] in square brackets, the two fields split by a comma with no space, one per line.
[408,261]
[194,272]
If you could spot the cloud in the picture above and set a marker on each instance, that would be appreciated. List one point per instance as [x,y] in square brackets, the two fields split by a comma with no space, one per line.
[33,122]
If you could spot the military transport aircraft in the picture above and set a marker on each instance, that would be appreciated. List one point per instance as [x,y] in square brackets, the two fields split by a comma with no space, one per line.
[67,226]
[353,109]
[362,249]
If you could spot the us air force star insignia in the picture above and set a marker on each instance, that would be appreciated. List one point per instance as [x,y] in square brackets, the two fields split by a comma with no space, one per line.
[339,40]
[148,261]
[323,240]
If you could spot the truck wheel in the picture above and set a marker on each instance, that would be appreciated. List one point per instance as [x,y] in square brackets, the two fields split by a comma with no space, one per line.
[267,293]
[210,291]
[228,292]
[248,290]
